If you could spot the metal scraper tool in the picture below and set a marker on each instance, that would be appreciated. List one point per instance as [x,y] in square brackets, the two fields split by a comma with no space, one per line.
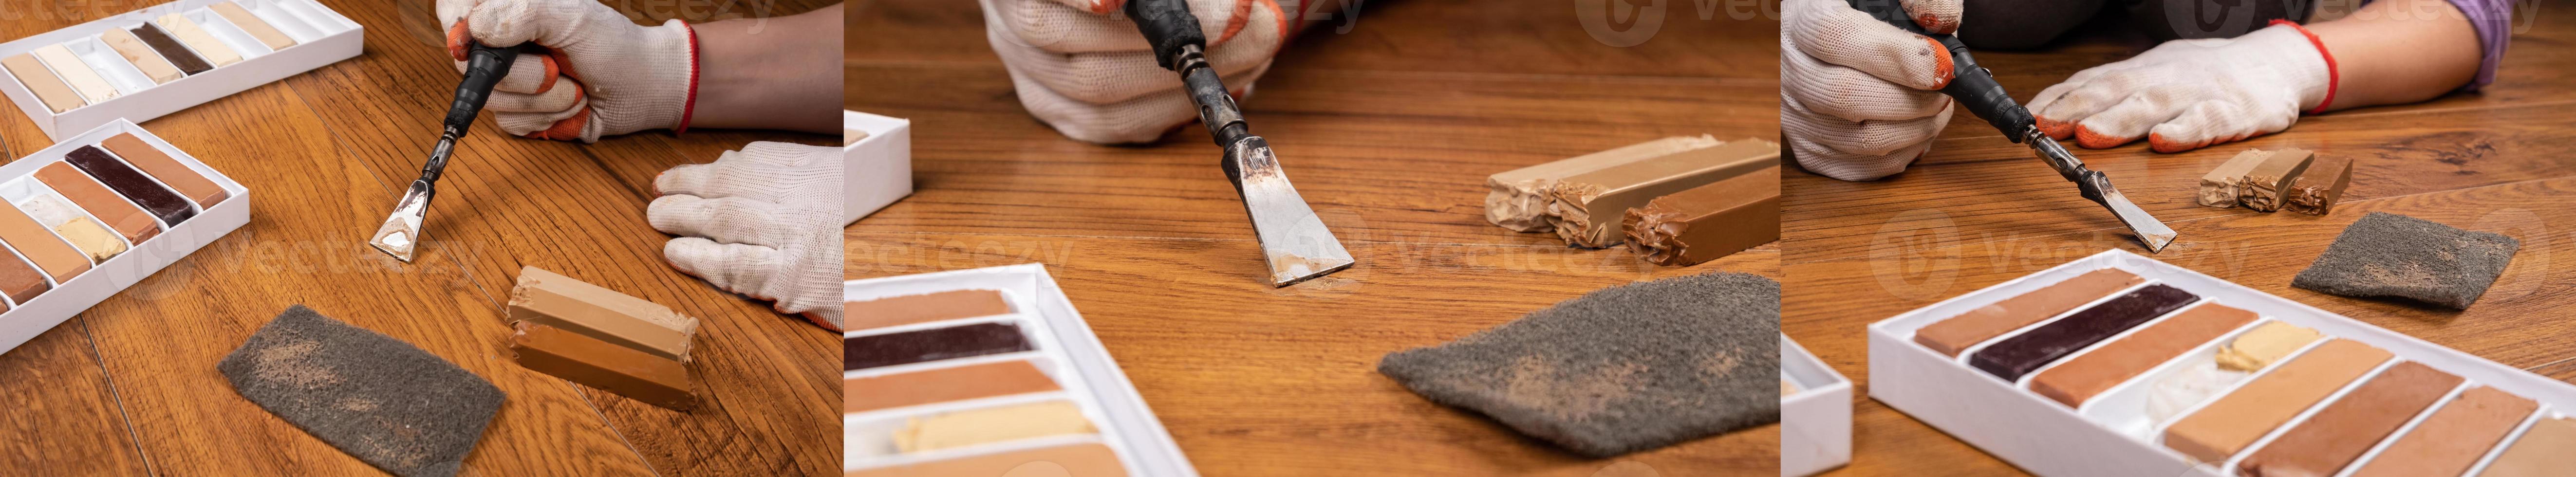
[484,67]
[1978,93]
[1293,240]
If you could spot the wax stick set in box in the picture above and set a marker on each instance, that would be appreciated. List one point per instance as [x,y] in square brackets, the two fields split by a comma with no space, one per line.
[146,63]
[96,213]
[2120,365]
[975,372]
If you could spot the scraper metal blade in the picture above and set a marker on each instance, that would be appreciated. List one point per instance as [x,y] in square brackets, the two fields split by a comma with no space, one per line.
[1294,241]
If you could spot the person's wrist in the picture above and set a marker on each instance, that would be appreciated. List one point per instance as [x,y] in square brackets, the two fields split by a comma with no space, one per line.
[2300,62]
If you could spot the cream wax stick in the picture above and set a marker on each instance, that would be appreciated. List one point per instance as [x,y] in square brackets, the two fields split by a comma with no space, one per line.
[85,80]
[196,38]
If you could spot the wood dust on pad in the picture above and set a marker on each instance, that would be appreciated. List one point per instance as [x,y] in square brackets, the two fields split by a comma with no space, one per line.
[379,399]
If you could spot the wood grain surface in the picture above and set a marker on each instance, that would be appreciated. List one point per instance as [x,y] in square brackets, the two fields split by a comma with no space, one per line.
[1979,210]
[1388,130]
[129,387]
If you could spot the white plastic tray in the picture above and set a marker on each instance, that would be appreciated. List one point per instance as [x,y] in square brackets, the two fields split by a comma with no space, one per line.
[1815,422]
[878,168]
[2047,438]
[322,37]
[24,321]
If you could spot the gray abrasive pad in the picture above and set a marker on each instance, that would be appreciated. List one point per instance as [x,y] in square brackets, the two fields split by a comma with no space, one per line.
[379,399]
[2394,255]
[1621,369]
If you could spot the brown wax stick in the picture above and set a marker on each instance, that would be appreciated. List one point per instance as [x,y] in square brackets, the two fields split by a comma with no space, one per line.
[2218,188]
[2087,375]
[931,345]
[1517,199]
[2265,187]
[2235,420]
[52,90]
[132,184]
[2320,186]
[2543,451]
[141,55]
[1706,222]
[945,384]
[1587,210]
[2012,358]
[2453,438]
[19,280]
[2330,440]
[257,28]
[927,307]
[94,197]
[1077,460]
[170,49]
[40,245]
[558,301]
[651,379]
[1950,336]
[195,186]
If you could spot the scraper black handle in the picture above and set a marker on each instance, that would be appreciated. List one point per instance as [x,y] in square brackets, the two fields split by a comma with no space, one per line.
[1973,86]
[1168,26]
[484,67]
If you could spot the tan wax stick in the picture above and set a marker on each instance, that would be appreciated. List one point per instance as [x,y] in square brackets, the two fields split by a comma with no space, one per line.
[2317,189]
[141,55]
[1588,209]
[995,424]
[852,136]
[944,384]
[2454,437]
[2332,438]
[85,80]
[2089,374]
[558,301]
[56,94]
[19,280]
[257,28]
[1706,222]
[39,245]
[196,38]
[2218,188]
[92,239]
[128,220]
[927,307]
[161,166]
[598,364]
[2265,185]
[2542,451]
[1076,460]
[1517,199]
[2235,420]
[1957,333]
[2257,349]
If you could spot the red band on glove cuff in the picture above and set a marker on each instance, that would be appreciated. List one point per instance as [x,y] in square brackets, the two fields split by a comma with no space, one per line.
[2334,77]
[690,107]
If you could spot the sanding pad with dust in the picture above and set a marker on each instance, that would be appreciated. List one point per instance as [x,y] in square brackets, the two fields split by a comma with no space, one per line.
[1621,369]
[379,399]
[2387,254]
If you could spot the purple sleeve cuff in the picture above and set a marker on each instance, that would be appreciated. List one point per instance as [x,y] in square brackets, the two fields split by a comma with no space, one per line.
[2493,20]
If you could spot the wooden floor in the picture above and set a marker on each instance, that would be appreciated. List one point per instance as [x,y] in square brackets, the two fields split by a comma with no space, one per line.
[1388,131]
[130,388]
[1980,210]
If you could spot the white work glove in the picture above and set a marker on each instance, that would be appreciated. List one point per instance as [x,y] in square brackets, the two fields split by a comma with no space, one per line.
[1859,98]
[1081,67]
[763,222]
[603,74]
[2187,94]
